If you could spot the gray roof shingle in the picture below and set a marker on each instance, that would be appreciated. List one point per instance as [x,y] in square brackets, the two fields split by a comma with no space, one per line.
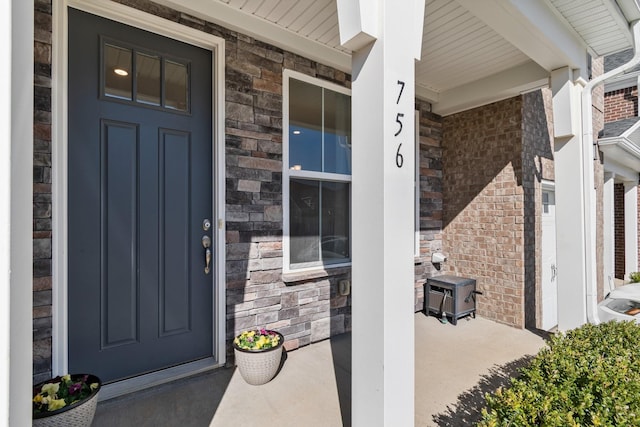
[617,128]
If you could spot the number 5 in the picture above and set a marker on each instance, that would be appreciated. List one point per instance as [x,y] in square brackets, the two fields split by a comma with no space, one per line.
[400,115]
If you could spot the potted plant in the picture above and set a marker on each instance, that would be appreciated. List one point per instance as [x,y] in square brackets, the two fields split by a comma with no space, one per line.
[68,400]
[258,354]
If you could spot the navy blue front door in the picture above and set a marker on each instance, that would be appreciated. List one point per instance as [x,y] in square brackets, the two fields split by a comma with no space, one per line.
[140,187]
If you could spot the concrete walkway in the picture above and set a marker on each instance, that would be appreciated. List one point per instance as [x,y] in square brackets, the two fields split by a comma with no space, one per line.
[455,366]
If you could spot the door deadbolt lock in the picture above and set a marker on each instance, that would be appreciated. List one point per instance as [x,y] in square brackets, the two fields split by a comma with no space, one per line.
[206,224]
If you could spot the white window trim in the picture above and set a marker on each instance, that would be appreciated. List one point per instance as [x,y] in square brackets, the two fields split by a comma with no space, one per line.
[288,173]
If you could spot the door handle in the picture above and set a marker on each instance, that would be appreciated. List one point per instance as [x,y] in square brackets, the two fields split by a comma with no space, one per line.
[206,244]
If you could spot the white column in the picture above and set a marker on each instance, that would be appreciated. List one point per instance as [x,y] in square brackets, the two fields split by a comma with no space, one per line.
[609,231]
[383,167]
[630,227]
[16,193]
[571,239]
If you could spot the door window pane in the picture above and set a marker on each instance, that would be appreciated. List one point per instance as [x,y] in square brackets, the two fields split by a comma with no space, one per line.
[117,72]
[304,226]
[148,79]
[305,126]
[176,86]
[337,132]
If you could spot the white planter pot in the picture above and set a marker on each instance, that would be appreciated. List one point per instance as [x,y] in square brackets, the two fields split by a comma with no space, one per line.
[258,367]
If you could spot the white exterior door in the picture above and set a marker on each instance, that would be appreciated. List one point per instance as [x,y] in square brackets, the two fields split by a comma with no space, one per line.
[549,269]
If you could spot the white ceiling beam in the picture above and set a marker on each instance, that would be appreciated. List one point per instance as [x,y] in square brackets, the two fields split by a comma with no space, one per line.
[261,29]
[499,86]
[535,29]
[426,94]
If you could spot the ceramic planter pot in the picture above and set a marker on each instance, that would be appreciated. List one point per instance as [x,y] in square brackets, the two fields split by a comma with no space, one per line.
[79,414]
[258,367]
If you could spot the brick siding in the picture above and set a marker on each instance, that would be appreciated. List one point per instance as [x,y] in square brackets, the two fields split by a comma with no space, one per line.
[537,161]
[494,160]
[621,104]
[484,205]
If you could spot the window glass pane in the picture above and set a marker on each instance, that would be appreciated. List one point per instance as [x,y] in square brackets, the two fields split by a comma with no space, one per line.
[148,79]
[337,132]
[117,72]
[176,86]
[335,222]
[304,223]
[305,126]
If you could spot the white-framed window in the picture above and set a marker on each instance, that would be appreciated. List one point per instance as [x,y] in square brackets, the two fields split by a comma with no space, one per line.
[316,173]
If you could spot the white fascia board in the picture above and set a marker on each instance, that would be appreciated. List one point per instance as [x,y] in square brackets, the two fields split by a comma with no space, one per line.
[622,81]
[236,20]
[535,29]
[630,9]
[505,84]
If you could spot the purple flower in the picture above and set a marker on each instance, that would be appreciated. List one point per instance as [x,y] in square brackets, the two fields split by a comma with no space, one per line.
[74,388]
[263,331]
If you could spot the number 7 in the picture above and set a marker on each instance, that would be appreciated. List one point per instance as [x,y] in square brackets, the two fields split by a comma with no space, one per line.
[401,83]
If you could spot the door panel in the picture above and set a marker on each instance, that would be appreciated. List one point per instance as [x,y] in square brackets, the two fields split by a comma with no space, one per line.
[140,184]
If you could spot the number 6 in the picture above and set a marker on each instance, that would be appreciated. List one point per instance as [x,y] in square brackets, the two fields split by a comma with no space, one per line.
[399,158]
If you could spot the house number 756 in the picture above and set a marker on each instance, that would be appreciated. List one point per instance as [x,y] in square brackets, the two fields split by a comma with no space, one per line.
[399,158]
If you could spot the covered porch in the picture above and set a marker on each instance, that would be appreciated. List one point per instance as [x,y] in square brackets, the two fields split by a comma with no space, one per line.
[455,366]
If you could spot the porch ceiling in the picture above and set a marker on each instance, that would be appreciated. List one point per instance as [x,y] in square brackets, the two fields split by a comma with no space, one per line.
[505,46]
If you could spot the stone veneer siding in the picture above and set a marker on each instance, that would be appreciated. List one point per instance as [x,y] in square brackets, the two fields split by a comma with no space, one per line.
[42,192]
[430,170]
[305,308]
[494,159]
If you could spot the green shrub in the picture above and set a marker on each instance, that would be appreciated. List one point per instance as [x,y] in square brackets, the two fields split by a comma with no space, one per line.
[634,277]
[587,377]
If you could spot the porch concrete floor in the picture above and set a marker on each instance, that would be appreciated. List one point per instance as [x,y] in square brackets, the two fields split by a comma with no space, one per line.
[454,367]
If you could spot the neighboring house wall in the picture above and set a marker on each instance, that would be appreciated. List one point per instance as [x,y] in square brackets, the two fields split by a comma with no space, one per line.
[621,104]
[618,226]
[305,307]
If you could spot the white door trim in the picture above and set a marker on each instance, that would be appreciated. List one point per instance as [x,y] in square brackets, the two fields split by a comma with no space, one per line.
[59,100]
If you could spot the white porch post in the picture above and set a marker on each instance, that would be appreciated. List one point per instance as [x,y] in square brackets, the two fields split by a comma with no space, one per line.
[571,200]
[630,227]
[16,193]
[384,46]
[609,231]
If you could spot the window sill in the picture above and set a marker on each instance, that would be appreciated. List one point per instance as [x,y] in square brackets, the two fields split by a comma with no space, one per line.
[292,277]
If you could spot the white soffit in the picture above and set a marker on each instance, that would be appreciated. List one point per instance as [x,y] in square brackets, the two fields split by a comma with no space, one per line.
[458,48]
[600,23]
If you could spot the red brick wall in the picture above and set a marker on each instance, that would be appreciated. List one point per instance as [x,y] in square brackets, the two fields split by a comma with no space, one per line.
[621,104]
[483,233]
[619,230]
